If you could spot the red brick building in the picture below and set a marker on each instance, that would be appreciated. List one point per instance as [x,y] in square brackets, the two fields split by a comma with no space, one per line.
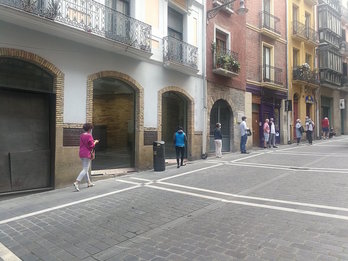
[225,72]
[266,65]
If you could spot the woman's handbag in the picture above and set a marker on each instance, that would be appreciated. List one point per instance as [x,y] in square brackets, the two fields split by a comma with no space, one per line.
[248,132]
[93,154]
[301,129]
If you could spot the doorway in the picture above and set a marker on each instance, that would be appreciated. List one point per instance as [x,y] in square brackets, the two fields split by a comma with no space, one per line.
[174,114]
[114,124]
[295,108]
[221,112]
[256,124]
[27,126]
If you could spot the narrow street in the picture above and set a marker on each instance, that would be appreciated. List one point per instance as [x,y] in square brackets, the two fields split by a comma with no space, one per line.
[289,203]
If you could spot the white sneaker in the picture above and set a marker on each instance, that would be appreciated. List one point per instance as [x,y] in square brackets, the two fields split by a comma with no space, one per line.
[90,185]
[76,186]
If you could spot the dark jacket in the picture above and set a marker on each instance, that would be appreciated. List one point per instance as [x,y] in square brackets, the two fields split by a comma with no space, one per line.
[217,134]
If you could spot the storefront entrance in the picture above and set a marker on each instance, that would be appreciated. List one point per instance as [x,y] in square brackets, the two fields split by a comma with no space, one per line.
[114,124]
[27,126]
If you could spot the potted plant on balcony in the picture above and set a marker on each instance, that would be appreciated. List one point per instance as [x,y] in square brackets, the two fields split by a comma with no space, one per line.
[304,70]
[227,62]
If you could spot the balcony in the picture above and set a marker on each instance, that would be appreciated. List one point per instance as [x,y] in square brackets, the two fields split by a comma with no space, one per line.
[268,25]
[303,32]
[87,16]
[271,76]
[329,77]
[179,56]
[225,63]
[344,81]
[227,9]
[305,75]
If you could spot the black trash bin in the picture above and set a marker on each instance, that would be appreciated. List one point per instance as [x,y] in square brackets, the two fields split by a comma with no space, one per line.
[159,163]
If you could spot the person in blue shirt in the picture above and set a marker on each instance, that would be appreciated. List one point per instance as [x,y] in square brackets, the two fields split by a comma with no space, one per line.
[179,141]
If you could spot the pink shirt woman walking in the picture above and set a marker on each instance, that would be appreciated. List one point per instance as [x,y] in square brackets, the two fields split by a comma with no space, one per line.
[87,144]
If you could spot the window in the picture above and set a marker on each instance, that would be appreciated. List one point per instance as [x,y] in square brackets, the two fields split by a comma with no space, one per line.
[175,24]
[294,18]
[307,24]
[295,53]
[266,63]
[221,41]
[267,12]
[117,27]
[309,59]
[121,6]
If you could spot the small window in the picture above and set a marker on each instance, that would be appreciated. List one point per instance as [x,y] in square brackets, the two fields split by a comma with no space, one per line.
[295,57]
[309,59]
[221,41]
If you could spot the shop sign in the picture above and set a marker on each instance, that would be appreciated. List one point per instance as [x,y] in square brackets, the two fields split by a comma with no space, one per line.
[309,99]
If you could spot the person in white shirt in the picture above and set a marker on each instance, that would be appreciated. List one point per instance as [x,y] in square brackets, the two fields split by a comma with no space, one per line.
[272,135]
[309,129]
[243,135]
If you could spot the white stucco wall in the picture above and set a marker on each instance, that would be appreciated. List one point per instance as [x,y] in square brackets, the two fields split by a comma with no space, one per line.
[77,61]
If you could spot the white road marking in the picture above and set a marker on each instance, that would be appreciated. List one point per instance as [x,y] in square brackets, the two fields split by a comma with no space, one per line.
[248,157]
[65,205]
[190,172]
[256,198]
[141,179]
[292,168]
[299,211]
[338,155]
[7,255]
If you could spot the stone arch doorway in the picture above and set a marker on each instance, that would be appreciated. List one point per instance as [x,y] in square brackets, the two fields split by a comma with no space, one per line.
[174,114]
[221,112]
[296,113]
[176,108]
[114,107]
[27,123]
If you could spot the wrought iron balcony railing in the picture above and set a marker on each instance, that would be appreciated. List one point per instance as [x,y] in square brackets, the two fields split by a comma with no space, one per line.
[179,52]
[269,21]
[271,74]
[226,59]
[304,31]
[90,16]
[306,75]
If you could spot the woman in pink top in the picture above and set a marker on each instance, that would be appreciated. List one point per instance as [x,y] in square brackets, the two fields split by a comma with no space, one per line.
[87,144]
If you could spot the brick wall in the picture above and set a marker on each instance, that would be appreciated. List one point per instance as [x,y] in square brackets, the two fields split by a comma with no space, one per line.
[116,112]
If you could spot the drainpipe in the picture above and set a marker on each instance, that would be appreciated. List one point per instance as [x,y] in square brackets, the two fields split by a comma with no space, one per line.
[287,74]
[204,53]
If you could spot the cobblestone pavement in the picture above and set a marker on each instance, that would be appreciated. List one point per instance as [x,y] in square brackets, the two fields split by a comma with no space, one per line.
[289,203]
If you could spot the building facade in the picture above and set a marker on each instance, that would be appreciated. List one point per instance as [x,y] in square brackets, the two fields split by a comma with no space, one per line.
[133,68]
[267,66]
[303,74]
[344,85]
[330,62]
[225,73]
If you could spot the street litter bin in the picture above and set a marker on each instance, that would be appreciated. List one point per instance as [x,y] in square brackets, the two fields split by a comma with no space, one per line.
[159,163]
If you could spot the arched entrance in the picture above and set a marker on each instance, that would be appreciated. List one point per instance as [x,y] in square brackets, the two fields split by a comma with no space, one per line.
[296,115]
[114,123]
[174,114]
[27,126]
[221,112]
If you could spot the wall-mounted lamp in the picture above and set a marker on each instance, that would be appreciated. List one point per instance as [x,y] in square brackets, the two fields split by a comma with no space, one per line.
[213,12]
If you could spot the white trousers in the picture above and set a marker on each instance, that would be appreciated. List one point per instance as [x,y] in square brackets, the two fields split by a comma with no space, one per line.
[218,147]
[86,163]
